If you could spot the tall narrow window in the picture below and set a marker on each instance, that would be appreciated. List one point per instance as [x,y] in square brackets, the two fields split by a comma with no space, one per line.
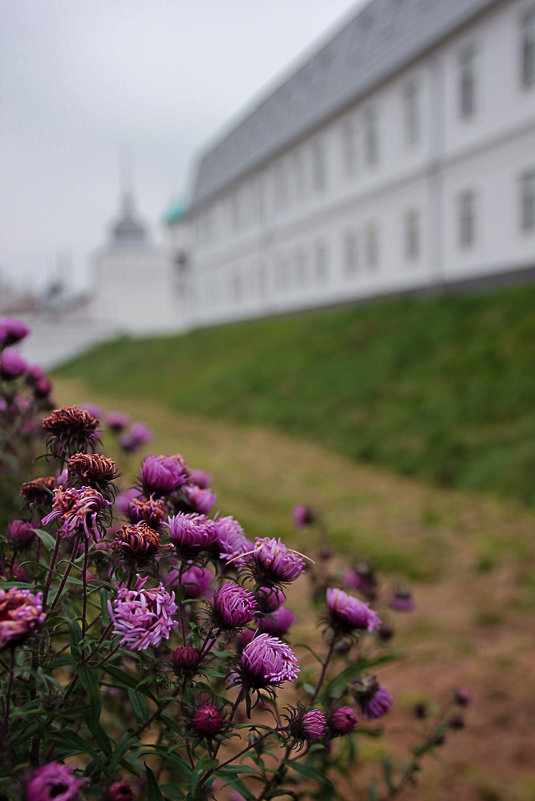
[411,102]
[527,202]
[349,147]
[319,167]
[371,137]
[350,253]
[467,82]
[467,219]
[412,235]
[321,263]
[527,50]
[372,247]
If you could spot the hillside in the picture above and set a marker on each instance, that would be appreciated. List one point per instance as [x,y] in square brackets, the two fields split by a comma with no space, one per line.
[442,387]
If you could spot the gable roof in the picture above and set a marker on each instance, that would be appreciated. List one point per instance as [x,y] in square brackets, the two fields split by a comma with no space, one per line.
[383,38]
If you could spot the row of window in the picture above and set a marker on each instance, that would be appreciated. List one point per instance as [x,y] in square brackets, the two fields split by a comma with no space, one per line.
[304,172]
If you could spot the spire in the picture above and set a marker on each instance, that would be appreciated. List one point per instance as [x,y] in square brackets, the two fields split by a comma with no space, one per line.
[128,230]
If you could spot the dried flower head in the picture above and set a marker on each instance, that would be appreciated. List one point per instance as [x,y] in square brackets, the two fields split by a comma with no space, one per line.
[137,543]
[93,469]
[77,509]
[207,719]
[40,490]
[347,613]
[21,612]
[233,606]
[343,720]
[274,563]
[143,617]
[267,661]
[150,510]
[70,430]
[53,782]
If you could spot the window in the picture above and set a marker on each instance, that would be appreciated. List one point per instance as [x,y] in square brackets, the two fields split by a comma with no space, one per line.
[527,202]
[349,147]
[372,247]
[467,82]
[319,171]
[467,219]
[301,268]
[411,104]
[527,52]
[371,137]
[350,253]
[412,235]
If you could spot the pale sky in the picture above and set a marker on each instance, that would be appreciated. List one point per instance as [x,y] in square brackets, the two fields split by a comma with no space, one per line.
[83,80]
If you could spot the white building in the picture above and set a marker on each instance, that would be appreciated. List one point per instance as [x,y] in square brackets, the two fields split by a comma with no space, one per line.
[400,157]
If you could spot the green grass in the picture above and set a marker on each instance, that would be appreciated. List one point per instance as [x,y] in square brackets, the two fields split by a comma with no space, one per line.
[442,388]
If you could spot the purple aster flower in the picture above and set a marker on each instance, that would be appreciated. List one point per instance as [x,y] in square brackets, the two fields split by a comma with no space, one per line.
[35,373]
[343,720]
[348,613]
[185,661]
[20,612]
[142,617]
[191,533]
[266,661]
[21,533]
[201,478]
[374,700]
[123,499]
[231,541]
[302,516]
[401,600]
[307,726]
[53,782]
[162,474]
[195,580]
[463,696]
[117,421]
[202,500]
[93,408]
[42,388]
[119,791]
[141,433]
[75,509]
[12,365]
[207,720]
[361,577]
[269,598]
[277,622]
[233,606]
[12,330]
[274,562]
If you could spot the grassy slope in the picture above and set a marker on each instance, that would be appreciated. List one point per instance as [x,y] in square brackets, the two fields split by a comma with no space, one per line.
[443,387]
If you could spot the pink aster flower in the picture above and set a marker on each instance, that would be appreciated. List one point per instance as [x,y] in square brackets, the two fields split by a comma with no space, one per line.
[21,533]
[269,598]
[117,421]
[233,606]
[75,509]
[191,533]
[195,580]
[185,661]
[119,791]
[266,661]
[348,613]
[53,782]
[277,622]
[162,474]
[274,562]
[21,612]
[401,600]
[374,700]
[207,720]
[343,720]
[230,540]
[202,500]
[12,365]
[142,617]
[302,516]
[201,478]
[12,330]
[307,726]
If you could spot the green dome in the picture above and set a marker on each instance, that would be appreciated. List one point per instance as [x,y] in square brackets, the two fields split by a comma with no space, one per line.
[176,212]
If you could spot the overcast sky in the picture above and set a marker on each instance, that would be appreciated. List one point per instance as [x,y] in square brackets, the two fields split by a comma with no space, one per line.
[83,80]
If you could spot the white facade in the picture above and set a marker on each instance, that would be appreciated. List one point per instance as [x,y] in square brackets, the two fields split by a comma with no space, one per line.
[426,179]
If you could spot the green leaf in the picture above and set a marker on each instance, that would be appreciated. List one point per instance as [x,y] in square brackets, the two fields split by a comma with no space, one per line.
[387,774]
[46,538]
[372,792]
[75,638]
[153,789]
[310,773]
[126,741]
[89,679]
[139,705]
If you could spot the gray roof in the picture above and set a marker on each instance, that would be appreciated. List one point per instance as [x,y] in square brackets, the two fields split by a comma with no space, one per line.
[378,42]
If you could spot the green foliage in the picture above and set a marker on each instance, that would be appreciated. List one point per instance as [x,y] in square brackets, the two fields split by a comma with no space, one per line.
[441,387]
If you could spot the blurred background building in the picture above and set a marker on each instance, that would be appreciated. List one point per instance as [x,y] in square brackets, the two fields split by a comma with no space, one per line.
[400,157]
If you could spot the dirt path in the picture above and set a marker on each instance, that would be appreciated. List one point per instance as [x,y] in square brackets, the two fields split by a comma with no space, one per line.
[470,558]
